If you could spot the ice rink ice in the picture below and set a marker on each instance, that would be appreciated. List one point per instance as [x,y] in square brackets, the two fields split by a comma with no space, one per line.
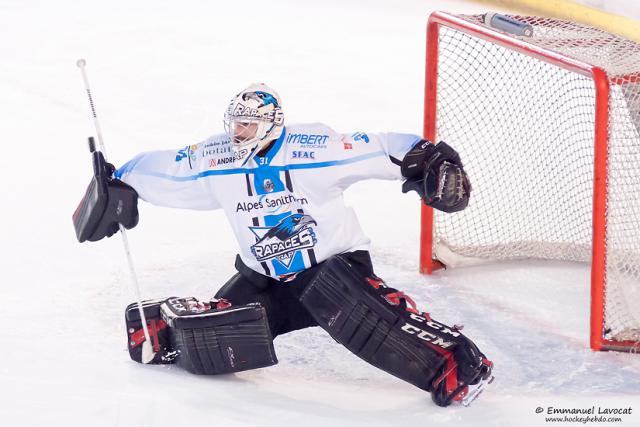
[162,74]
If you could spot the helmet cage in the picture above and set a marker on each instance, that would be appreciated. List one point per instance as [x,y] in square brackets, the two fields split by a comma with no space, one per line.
[253,118]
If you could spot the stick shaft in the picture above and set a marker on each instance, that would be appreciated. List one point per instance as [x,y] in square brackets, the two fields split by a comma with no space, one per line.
[93,110]
[125,241]
[134,282]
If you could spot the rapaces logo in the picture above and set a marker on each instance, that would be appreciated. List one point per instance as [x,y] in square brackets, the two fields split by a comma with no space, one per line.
[273,115]
[283,240]
[242,110]
[188,152]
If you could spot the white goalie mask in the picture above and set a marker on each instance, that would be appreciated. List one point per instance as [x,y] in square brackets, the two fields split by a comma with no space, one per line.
[254,118]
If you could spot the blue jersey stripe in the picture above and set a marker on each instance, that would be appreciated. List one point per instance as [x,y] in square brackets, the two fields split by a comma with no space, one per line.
[130,168]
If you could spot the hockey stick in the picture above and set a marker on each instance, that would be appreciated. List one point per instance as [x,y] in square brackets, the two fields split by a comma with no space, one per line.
[147,347]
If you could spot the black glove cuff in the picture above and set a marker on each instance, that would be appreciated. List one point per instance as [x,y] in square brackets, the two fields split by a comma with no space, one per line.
[414,162]
[416,185]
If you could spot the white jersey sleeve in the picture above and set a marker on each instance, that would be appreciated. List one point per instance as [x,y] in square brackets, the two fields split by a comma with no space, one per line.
[351,157]
[173,178]
[384,151]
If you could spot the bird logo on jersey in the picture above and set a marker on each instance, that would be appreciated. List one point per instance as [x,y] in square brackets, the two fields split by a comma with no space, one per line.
[284,239]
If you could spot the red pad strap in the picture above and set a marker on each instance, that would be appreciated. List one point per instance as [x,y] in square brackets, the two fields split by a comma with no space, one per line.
[137,337]
[450,374]
[222,303]
[374,282]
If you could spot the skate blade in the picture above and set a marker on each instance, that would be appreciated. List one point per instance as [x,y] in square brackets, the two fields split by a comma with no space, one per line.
[475,391]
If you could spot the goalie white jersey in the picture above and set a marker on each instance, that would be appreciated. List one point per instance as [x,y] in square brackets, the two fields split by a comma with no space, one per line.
[286,208]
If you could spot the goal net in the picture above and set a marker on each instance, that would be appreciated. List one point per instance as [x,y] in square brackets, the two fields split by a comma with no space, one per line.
[548,128]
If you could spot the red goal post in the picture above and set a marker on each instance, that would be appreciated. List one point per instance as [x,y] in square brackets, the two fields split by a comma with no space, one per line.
[566,90]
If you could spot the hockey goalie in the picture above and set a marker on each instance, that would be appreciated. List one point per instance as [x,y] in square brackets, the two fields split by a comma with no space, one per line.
[303,259]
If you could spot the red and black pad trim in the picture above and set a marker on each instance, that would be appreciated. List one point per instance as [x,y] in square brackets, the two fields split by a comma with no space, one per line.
[445,387]
[158,332]
[154,326]
[371,328]
[382,326]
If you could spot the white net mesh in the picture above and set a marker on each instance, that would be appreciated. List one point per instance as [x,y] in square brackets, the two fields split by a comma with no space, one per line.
[525,130]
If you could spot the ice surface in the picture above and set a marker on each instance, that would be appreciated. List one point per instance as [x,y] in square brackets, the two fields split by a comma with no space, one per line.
[162,74]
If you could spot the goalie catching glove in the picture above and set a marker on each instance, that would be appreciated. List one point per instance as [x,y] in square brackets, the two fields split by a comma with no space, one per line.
[106,203]
[436,173]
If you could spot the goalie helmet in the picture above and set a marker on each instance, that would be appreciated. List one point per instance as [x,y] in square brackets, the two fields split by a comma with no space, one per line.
[254,118]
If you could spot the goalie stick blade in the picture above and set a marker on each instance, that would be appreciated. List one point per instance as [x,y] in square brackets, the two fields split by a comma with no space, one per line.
[147,352]
[475,391]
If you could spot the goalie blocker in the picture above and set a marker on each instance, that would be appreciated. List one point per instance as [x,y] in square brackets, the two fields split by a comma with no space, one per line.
[382,326]
[107,202]
[202,337]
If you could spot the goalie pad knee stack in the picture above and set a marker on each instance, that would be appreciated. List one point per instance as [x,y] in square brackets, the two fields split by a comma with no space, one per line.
[204,338]
[381,326]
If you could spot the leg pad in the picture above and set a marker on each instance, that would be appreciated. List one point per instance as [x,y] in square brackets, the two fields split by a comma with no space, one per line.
[349,309]
[204,338]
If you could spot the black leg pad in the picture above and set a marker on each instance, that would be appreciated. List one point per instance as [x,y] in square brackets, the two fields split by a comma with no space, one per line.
[218,341]
[350,310]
